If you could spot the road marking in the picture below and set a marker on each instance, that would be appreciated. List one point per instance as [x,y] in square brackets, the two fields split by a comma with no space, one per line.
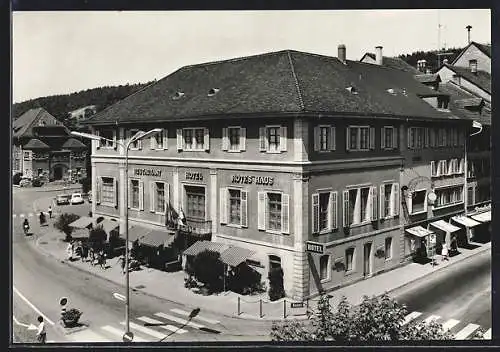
[32,306]
[431,318]
[411,316]
[167,327]
[465,332]
[487,334]
[27,326]
[87,335]
[178,320]
[50,341]
[183,312]
[21,215]
[145,330]
[119,296]
[119,333]
[450,323]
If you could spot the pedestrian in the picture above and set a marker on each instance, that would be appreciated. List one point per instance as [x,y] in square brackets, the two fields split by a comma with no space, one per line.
[121,259]
[102,259]
[69,251]
[41,333]
[85,252]
[50,212]
[444,252]
[42,218]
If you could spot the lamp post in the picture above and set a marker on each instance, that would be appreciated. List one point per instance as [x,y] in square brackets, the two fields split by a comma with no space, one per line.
[136,137]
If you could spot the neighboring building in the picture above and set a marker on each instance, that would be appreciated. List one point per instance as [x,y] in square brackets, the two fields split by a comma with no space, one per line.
[392,62]
[474,56]
[43,147]
[82,113]
[304,159]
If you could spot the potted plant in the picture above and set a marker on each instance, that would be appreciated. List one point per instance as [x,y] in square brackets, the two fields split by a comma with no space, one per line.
[70,317]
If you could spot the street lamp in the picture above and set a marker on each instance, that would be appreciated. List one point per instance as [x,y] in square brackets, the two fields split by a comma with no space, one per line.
[136,137]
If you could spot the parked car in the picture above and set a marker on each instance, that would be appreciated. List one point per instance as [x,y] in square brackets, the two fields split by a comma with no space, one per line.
[25,182]
[76,198]
[62,199]
[37,182]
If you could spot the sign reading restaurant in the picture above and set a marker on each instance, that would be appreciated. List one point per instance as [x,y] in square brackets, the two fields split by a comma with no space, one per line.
[147,172]
[258,180]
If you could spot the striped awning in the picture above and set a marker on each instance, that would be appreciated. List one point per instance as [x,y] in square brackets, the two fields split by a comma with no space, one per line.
[108,225]
[82,223]
[465,221]
[483,217]
[418,231]
[234,256]
[201,246]
[157,238]
[444,226]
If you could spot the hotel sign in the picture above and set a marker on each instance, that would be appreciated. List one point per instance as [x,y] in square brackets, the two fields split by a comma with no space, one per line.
[248,180]
[147,172]
[314,247]
[194,176]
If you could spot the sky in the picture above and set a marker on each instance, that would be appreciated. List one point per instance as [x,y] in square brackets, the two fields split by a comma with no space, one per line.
[65,52]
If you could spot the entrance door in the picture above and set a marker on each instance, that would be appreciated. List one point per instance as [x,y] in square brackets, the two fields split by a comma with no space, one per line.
[58,174]
[367,251]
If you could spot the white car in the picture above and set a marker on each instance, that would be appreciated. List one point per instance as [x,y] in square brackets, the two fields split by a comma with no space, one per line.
[76,198]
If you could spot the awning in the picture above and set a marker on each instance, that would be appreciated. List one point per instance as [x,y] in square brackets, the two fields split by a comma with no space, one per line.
[137,232]
[464,220]
[201,246]
[234,256]
[108,225]
[483,217]
[418,231]
[157,238]
[444,226]
[82,223]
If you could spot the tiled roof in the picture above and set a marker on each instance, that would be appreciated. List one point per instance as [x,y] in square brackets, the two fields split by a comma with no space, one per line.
[23,125]
[394,62]
[482,79]
[35,143]
[469,102]
[234,256]
[274,83]
[486,49]
[72,143]
[428,77]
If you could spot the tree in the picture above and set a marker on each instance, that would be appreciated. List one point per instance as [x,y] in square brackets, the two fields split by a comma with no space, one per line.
[97,238]
[276,288]
[208,269]
[62,224]
[375,319]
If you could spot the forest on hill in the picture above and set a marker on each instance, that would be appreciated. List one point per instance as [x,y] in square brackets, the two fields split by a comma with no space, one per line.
[431,57]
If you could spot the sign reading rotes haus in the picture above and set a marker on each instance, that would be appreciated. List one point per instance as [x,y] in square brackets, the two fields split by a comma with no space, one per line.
[249,179]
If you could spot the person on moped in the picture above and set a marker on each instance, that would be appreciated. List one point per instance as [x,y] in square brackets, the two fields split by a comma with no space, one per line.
[26,226]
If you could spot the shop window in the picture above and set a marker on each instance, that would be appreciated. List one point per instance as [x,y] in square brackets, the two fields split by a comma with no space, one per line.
[324,262]
[360,138]
[418,202]
[349,257]
[135,194]
[273,212]
[193,139]
[359,205]
[388,248]
[195,202]
[272,139]
[324,210]
[324,138]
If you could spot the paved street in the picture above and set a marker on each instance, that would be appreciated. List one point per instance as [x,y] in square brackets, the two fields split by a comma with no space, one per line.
[40,282]
[458,296]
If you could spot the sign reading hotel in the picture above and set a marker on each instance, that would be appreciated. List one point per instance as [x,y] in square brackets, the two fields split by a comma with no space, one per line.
[194,176]
[147,172]
[248,180]
[313,247]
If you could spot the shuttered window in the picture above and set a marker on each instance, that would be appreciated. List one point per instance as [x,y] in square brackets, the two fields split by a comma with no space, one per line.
[193,139]
[233,139]
[159,141]
[108,191]
[360,138]
[324,138]
[324,210]
[274,212]
[273,139]
[360,205]
[134,194]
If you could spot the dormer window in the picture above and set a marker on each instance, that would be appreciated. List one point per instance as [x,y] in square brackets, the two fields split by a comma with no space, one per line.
[213,91]
[391,91]
[352,89]
[443,102]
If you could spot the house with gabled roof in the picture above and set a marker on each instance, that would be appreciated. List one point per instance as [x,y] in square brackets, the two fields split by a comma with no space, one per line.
[319,166]
[392,62]
[43,147]
[474,55]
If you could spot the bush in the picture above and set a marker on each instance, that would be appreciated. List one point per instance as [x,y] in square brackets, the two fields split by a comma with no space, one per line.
[245,281]
[62,224]
[97,238]
[71,316]
[208,269]
[86,184]
[17,178]
[276,288]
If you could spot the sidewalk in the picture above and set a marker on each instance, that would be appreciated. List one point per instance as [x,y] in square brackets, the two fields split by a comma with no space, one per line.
[52,187]
[170,286]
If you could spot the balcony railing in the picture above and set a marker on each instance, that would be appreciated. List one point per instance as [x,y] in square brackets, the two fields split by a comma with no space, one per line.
[193,226]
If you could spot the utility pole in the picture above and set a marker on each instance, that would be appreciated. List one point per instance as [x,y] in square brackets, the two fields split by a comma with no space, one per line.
[469,27]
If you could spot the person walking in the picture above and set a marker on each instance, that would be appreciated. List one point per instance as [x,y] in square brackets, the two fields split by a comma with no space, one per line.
[50,212]
[121,259]
[69,251]
[41,333]
[444,252]
[42,218]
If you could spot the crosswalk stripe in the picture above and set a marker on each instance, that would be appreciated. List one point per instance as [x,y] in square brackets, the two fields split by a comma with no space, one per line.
[145,330]
[450,323]
[183,312]
[431,318]
[411,316]
[120,333]
[87,335]
[178,320]
[21,215]
[465,332]
[167,327]
[487,334]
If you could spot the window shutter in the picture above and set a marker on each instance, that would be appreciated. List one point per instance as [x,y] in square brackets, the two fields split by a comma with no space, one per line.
[285,213]
[115,145]
[382,138]
[97,142]
[98,190]
[315,212]
[372,138]
[374,204]
[262,139]
[225,139]
[433,170]
[333,138]
[409,137]
[395,141]
[409,203]
[206,141]
[141,195]
[115,193]
[395,204]
[333,211]
[450,166]
[165,138]
[243,139]
[316,138]
[261,210]
[382,202]
[152,142]
[179,139]
[244,209]
[167,198]
[432,137]
[426,138]
[345,212]
[223,205]
[283,138]
[152,196]
[347,138]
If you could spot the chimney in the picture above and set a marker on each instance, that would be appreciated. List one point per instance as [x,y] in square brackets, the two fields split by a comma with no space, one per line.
[445,61]
[378,55]
[341,53]
[469,27]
